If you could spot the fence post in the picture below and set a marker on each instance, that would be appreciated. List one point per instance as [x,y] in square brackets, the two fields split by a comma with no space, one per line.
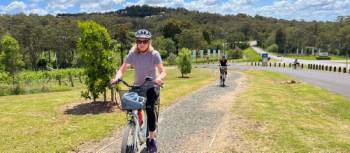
[80,78]
[58,77]
[112,95]
[70,79]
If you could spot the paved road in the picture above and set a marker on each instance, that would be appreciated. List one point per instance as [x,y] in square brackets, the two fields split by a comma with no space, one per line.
[333,81]
[291,60]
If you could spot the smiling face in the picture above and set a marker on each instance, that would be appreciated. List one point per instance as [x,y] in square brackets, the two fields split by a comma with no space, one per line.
[142,45]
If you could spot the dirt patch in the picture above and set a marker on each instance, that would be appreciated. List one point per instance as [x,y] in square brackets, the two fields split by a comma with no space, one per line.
[84,108]
[290,82]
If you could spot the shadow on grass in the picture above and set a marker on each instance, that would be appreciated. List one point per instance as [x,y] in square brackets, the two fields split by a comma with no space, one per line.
[92,108]
[185,77]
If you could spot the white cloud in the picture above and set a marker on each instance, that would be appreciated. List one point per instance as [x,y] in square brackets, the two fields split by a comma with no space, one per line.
[16,5]
[307,9]
[287,9]
[37,11]
[61,4]
[100,6]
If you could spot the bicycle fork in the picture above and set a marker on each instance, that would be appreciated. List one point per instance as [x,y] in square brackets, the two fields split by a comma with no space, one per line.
[141,130]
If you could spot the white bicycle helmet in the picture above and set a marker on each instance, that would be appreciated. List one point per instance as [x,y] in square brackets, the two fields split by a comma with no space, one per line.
[143,33]
[132,101]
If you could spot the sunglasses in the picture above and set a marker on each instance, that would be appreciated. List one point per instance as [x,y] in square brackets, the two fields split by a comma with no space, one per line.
[142,41]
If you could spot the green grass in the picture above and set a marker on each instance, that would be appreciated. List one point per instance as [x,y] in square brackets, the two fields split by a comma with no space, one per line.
[36,122]
[299,117]
[310,57]
[40,81]
[306,57]
[250,55]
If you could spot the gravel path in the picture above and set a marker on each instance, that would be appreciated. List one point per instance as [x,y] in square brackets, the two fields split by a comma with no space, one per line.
[190,125]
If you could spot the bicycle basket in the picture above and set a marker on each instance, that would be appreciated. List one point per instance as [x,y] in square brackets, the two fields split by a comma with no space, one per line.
[132,101]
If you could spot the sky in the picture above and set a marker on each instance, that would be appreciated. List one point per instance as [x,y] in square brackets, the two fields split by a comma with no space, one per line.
[308,10]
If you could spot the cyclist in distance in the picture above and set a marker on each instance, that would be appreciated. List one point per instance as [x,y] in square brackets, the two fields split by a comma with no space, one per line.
[223,63]
[145,60]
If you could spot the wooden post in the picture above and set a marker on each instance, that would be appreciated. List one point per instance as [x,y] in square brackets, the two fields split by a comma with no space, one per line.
[58,77]
[80,78]
[112,95]
[104,95]
[71,79]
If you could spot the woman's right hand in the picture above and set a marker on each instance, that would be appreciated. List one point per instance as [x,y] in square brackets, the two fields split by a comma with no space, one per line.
[115,80]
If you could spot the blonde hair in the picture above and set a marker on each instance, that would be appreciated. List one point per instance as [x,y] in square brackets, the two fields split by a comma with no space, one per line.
[135,49]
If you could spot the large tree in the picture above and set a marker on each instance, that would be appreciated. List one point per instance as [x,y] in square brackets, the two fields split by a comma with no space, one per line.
[95,46]
[11,56]
[280,40]
[124,38]
[191,39]
[164,45]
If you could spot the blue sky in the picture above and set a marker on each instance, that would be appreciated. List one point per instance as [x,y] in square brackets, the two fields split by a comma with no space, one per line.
[321,10]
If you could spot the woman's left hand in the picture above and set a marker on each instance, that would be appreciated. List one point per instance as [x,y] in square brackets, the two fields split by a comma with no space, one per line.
[158,81]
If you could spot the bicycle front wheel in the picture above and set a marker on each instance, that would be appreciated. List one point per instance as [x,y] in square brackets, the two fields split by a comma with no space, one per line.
[129,139]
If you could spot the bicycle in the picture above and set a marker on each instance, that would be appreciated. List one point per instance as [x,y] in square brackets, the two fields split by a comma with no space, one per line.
[136,133]
[223,70]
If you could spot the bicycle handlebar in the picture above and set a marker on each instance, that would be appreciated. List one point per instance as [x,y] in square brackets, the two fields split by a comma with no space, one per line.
[147,79]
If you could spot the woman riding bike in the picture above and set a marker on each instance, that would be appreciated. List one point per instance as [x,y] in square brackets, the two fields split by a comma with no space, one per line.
[223,63]
[145,61]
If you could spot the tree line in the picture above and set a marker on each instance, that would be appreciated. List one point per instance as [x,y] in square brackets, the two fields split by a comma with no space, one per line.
[52,40]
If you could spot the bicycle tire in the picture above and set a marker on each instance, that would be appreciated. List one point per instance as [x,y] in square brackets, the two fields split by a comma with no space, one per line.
[129,135]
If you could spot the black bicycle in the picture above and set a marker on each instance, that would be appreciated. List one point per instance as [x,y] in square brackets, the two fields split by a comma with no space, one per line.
[136,133]
[223,70]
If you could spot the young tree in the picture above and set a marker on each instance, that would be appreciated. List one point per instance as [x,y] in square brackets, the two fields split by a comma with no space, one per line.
[95,46]
[11,58]
[184,61]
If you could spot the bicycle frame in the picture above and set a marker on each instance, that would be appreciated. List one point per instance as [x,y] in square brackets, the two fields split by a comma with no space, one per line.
[222,75]
[140,132]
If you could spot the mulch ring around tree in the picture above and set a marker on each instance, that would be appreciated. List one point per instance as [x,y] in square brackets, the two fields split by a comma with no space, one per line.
[92,108]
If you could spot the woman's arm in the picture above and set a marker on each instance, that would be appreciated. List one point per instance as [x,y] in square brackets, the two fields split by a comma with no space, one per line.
[120,72]
[162,74]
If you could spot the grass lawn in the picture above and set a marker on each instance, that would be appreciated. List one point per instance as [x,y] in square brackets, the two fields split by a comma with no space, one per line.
[292,117]
[250,55]
[310,57]
[36,122]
